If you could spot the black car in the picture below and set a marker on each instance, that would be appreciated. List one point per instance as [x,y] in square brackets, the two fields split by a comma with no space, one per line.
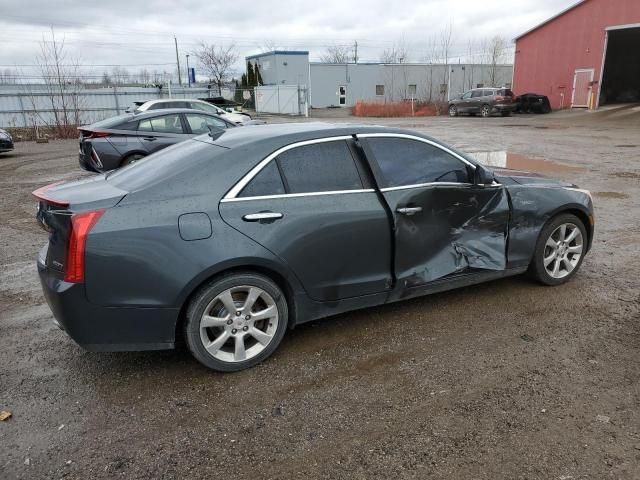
[119,141]
[232,239]
[6,142]
[532,103]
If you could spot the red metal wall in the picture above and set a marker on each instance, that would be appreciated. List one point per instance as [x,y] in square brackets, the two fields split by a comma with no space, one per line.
[547,58]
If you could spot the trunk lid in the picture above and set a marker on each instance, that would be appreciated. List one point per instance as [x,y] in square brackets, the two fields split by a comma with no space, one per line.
[58,202]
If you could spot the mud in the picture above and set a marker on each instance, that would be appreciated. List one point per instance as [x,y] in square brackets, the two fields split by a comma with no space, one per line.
[506,380]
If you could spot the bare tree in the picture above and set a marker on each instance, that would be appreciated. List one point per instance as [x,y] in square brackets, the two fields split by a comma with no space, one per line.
[470,68]
[61,77]
[398,53]
[217,61]
[337,54]
[446,40]
[120,75]
[269,45]
[494,52]
[8,77]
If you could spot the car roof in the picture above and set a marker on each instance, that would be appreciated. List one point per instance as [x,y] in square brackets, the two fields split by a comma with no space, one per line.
[266,138]
[168,111]
[170,100]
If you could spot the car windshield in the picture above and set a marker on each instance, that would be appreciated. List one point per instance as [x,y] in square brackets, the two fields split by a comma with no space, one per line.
[206,107]
[162,164]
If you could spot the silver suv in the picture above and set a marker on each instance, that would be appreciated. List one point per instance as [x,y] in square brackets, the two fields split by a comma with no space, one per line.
[485,101]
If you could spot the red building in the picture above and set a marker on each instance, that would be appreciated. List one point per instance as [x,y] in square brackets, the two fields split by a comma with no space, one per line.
[586,56]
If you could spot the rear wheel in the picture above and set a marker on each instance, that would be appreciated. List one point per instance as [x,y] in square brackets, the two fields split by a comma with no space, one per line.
[485,111]
[131,159]
[453,111]
[236,321]
[560,250]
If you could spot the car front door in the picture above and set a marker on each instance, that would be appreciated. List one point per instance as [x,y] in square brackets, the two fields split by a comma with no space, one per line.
[444,224]
[312,205]
[159,132]
[476,101]
[465,102]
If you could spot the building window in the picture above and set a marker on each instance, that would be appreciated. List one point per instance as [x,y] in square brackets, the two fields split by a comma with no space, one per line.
[380,90]
[412,90]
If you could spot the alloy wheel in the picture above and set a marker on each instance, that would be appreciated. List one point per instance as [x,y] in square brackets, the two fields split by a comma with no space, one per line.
[239,323]
[563,250]
[453,111]
[486,111]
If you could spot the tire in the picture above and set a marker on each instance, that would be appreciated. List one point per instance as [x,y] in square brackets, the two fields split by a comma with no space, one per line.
[134,157]
[564,254]
[217,346]
[453,111]
[485,111]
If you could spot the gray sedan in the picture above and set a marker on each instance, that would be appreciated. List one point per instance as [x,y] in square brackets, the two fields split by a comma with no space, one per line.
[229,240]
[119,141]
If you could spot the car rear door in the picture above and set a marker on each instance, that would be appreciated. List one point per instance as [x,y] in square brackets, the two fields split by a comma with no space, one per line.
[312,205]
[444,224]
[159,132]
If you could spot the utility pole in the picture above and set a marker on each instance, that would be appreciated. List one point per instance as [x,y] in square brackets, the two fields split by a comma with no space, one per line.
[355,56]
[178,61]
[188,73]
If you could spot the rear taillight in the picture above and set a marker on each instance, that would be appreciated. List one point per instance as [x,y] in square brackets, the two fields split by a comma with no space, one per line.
[88,134]
[500,98]
[81,225]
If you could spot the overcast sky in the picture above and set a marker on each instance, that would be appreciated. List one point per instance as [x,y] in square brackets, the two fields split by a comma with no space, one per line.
[140,34]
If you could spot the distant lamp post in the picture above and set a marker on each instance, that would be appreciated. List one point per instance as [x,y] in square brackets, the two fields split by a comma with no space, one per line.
[188,73]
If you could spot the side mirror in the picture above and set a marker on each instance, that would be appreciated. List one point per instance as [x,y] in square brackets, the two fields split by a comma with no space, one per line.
[482,176]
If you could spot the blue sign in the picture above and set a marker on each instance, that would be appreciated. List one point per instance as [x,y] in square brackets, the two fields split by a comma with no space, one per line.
[192,75]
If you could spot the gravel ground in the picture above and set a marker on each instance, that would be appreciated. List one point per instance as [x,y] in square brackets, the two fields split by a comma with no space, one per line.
[506,380]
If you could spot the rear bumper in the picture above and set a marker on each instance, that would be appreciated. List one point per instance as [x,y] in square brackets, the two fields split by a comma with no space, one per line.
[507,107]
[107,329]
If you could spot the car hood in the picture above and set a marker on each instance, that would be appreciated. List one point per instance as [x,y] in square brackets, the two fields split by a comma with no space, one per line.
[523,177]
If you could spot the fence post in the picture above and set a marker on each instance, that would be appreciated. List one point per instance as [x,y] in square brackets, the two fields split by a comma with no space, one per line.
[24,115]
[115,97]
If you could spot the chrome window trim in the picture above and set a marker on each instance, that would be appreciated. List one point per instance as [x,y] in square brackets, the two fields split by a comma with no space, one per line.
[296,195]
[419,139]
[237,188]
[430,184]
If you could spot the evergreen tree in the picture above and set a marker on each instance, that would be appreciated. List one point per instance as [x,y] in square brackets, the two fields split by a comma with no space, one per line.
[251,76]
[238,95]
[243,81]
[258,77]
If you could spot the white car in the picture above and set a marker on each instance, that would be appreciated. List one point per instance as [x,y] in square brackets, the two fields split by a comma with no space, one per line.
[232,116]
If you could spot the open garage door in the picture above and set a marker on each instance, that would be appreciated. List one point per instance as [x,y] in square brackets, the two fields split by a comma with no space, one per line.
[621,74]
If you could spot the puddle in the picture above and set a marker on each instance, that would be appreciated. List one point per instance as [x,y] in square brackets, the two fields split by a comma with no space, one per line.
[610,195]
[626,146]
[625,175]
[516,161]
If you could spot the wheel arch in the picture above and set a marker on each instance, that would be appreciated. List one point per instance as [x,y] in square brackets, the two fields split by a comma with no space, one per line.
[583,215]
[133,152]
[284,279]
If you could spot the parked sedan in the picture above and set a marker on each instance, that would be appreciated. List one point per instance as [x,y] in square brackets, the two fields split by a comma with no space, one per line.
[6,142]
[230,240]
[228,114]
[119,141]
[485,101]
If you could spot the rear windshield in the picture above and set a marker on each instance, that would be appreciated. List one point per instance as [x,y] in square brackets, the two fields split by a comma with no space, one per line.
[113,121]
[163,164]
[505,92]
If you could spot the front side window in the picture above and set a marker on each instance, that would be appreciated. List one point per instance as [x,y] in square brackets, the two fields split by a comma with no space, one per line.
[405,162]
[321,167]
[201,123]
[467,96]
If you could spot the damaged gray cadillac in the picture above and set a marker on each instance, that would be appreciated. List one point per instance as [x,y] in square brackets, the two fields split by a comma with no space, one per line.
[231,238]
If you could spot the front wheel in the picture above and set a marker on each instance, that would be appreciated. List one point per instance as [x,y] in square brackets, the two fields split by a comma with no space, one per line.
[560,250]
[453,111]
[236,321]
[485,111]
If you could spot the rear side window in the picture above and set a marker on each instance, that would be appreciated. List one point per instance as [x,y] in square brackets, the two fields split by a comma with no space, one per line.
[505,92]
[488,93]
[322,167]
[267,182]
[164,124]
[406,162]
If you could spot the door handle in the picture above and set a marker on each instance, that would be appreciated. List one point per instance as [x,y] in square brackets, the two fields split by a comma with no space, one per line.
[262,216]
[149,139]
[409,211]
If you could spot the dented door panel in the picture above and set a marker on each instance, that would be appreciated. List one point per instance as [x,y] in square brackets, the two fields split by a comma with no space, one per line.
[460,228]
